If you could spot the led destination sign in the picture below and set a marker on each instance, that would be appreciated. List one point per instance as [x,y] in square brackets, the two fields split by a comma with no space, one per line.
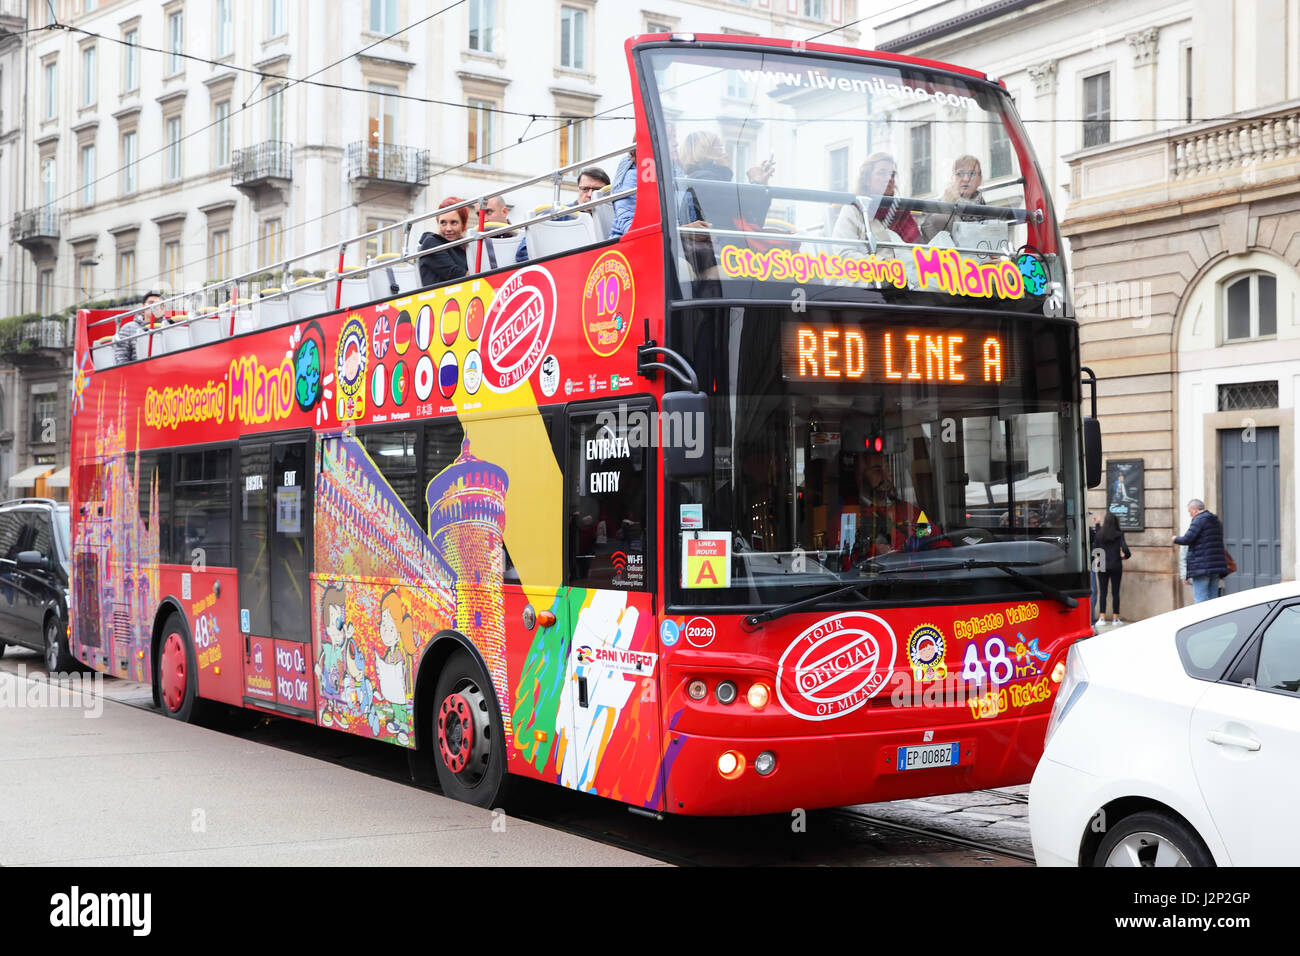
[884,354]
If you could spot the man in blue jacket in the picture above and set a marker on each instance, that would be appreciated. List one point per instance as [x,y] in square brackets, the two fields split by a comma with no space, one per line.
[1205,561]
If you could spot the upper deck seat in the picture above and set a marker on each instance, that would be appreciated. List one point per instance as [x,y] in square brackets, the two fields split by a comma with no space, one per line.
[271,312]
[604,213]
[101,353]
[559,235]
[304,303]
[208,327]
[355,291]
[174,337]
[404,275]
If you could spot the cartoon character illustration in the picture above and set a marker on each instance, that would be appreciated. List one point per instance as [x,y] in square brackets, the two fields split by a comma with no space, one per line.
[395,665]
[358,694]
[329,665]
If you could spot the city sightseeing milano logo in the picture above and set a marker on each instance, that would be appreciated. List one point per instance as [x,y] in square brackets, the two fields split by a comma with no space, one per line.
[835,666]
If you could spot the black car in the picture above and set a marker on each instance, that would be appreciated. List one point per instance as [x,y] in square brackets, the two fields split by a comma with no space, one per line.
[35,545]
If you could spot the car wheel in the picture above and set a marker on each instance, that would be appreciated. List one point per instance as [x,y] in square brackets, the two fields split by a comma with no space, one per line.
[57,658]
[176,674]
[468,736]
[1152,839]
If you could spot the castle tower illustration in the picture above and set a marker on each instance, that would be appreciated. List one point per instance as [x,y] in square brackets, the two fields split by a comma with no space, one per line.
[467,520]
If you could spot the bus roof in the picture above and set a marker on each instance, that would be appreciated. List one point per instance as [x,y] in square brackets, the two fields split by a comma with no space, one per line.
[729,39]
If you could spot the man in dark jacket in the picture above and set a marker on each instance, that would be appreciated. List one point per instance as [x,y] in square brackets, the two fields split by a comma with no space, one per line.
[1205,561]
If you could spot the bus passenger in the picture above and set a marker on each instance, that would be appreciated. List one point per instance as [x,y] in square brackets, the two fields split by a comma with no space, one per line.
[624,179]
[589,180]
[445,265]
[876,177]
[964,187]
[124,340]
[496,212]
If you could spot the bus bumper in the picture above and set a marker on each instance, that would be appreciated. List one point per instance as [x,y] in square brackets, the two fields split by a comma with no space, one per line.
[844,769]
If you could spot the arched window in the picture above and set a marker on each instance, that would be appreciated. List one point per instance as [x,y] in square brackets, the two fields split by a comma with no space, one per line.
[1250,307]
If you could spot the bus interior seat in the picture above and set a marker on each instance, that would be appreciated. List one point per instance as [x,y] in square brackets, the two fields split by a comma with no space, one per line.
[404,275]
[305,303]
[356,289]
[102,353]
[603,214]
[271,312]
[554,236]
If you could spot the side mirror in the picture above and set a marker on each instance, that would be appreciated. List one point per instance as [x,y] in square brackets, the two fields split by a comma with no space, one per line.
[685,436]
[32,561]
[1092,452]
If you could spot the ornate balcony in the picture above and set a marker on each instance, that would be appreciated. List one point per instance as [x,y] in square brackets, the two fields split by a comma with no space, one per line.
[1238,155]
[388,163]
[34,342]
[35,228]
[263,171]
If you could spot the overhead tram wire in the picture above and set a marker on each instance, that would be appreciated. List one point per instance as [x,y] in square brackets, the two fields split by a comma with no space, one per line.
[306,81]
[248,105]
[395,190]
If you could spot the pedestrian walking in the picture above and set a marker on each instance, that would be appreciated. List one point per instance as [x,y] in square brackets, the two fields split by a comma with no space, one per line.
[1094,528]
[1110,539]
[1206,561]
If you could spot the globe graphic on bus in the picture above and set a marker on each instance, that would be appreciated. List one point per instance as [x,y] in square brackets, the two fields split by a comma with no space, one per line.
[307,369]
[1035,274]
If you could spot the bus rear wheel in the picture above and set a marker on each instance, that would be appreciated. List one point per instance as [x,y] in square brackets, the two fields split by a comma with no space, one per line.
[468,736]
[176,675]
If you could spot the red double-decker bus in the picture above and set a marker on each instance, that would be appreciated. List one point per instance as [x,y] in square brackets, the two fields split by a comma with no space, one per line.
[773,500]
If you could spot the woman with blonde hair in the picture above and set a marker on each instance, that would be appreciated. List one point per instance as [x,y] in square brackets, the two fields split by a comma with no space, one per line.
[964,187]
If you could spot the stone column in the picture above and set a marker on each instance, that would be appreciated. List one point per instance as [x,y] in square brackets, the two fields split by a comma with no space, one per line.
[1144,44]
[1044,138]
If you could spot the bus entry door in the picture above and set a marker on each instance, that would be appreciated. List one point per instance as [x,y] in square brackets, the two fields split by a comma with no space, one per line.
[275,549]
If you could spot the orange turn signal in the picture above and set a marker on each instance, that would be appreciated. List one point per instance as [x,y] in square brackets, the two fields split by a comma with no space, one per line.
[545,618]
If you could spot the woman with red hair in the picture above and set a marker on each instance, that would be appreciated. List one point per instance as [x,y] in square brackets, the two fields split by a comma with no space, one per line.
[445,265]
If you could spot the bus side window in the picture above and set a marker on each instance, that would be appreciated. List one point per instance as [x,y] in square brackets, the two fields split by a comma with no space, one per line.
[156,471]
[395,454]
[606,487]
[202,494]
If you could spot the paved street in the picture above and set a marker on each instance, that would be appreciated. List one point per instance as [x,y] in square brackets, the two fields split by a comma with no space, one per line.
[133,788]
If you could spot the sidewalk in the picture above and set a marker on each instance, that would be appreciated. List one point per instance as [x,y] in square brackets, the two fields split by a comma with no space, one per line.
[131,788]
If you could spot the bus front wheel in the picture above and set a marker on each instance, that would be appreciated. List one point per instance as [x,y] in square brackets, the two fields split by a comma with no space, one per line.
[467,734]
[176,675]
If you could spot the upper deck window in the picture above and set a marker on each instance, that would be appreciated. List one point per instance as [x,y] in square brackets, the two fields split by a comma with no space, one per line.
[905,207]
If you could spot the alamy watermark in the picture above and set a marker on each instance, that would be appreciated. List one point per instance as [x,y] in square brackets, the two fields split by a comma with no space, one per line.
[643,428]
[72,691]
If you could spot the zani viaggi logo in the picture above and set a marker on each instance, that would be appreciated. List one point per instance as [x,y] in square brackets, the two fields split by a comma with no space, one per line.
[835,666]
[72,691]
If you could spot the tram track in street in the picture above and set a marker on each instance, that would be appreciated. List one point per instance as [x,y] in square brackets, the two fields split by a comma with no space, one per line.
[981,846]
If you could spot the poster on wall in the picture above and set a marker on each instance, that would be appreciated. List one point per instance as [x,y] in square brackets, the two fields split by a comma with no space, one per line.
[1124,485]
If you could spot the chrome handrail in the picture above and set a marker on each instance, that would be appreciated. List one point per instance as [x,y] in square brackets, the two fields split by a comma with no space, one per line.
[405,225]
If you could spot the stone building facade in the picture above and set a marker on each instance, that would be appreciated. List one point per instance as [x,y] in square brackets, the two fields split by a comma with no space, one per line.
[1171,133]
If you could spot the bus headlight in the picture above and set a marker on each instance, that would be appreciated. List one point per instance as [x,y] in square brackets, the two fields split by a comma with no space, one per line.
[758,696]
[697,689]
[765,763]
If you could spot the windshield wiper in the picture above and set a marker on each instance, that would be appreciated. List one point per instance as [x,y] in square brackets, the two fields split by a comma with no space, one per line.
[1008,567]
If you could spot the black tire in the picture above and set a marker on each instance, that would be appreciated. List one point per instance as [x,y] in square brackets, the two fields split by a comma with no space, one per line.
[56,656]
[467,737]
[177,691]
[1151,838]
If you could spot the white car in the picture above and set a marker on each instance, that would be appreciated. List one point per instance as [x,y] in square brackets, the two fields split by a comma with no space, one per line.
[1176,741]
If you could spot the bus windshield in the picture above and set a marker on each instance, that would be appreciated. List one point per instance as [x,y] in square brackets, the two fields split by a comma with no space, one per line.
[849,179]
[846,444]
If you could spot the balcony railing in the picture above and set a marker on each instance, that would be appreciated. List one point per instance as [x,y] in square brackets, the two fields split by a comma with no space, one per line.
[31,341]
[36,225]
[257,164]
[1253,148]
[389,163]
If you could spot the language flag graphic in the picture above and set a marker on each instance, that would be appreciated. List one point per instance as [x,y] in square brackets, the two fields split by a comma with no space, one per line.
[448,375]
[424,328]
[402,333]
[381,336]
[450,324]
[401,383]
[424,378]
[474,318]
[379,385]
